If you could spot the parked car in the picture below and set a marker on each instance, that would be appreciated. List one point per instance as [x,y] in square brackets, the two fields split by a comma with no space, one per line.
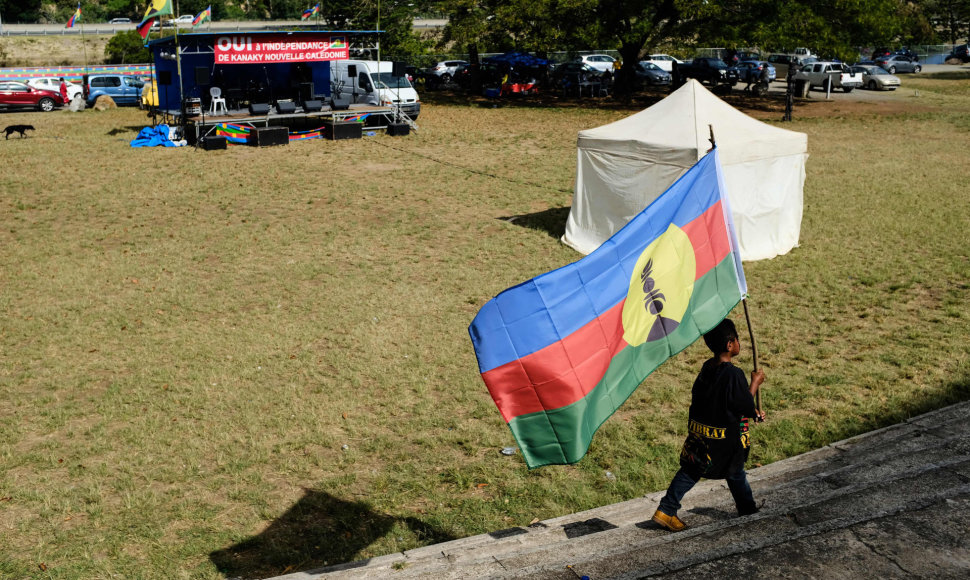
[880,52]
[649,73]
[898,63]
[664,61]
[183,20]
[54,84]
[960,52]
[750,71]
[120,21]
[601,62]
[15,94]
[445,70]
[875,78]
[123,89]
[782,62]
[573,76]
[713,71]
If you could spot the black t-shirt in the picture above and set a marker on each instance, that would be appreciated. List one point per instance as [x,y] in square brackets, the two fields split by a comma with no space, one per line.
[717,439]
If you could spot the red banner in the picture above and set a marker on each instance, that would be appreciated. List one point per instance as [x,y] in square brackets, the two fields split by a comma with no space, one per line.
[276,48]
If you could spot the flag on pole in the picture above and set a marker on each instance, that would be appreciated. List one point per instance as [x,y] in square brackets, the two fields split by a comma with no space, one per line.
[202,16]
[311,12]
[561,352]
[145,27]
[156,9]
[74,17]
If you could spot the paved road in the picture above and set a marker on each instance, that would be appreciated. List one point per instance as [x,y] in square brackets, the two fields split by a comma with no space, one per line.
[105,28]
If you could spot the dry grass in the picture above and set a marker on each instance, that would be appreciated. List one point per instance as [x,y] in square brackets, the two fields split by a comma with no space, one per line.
[237,363]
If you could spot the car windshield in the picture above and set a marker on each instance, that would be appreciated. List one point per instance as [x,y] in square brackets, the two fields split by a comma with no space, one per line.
[386,80]
[875,70]
[649,66]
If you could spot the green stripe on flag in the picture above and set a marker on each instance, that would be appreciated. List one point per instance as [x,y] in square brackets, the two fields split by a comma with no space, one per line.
[563,435]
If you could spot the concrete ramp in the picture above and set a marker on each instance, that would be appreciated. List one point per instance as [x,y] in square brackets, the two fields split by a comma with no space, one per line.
[893,503]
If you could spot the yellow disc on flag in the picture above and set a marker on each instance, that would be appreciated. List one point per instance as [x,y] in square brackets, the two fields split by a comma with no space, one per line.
[660,288]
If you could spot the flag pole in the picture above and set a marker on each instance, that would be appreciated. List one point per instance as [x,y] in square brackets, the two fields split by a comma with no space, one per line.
[747,319]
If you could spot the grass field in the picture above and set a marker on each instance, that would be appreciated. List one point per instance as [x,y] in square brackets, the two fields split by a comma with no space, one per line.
[241,363]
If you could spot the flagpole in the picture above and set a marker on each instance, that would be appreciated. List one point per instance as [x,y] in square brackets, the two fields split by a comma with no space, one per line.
[84,49]
[747,319]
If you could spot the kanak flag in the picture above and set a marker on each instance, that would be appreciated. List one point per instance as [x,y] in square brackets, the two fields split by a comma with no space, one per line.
[561,352]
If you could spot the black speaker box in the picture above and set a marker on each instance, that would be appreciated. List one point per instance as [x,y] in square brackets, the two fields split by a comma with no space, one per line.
[340,103]
[398,129]
[285,107]
[202,75]
[312,105]
[343,130]
[213,143]
[259,108]
[164,77]
[351,70]
[399,69]
[268,136]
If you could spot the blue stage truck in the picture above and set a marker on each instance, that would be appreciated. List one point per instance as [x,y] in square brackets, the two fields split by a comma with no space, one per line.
[373,83]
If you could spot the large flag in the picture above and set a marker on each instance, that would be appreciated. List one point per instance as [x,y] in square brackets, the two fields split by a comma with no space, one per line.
[202,16]
[74,17]
[145,27]
[311,12]
[561,352]
[157,8]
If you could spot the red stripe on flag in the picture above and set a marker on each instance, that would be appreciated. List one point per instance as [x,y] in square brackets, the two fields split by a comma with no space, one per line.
[560,374]
[566,371]
[708,234]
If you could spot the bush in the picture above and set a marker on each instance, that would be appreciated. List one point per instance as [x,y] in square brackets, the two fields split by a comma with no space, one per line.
[125,48]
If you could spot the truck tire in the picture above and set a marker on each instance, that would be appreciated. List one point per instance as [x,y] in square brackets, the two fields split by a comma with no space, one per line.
[802,88]
[847,89]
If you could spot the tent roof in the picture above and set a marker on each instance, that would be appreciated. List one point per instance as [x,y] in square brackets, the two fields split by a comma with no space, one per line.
[680,123]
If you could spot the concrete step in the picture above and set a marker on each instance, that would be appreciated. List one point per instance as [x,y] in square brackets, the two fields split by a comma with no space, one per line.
[872,476]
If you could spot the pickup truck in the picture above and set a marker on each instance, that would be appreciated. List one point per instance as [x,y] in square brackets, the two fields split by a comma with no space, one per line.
[709,70]
[831,75]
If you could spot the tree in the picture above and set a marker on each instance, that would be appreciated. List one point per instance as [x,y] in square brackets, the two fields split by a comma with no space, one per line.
[126,47]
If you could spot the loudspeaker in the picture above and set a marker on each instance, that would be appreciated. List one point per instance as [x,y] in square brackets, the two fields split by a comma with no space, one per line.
[164,77]
[351,70]
[267,136]
[259,108]
[340,103]
[201,75]
[285,107]
[306,91]
[343,130]
[398,129]
[312,105]
[399,69]
[213,143]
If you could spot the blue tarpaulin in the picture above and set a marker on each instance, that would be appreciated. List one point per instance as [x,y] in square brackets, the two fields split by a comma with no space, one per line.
[153,137]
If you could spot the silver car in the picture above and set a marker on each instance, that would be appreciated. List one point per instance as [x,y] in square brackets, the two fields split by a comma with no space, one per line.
[876,78]
[899,63]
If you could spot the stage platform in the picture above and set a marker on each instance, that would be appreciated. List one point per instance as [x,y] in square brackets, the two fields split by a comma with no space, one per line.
[201,125]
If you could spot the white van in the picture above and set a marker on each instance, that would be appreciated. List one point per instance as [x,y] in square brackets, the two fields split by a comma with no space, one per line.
[374,84]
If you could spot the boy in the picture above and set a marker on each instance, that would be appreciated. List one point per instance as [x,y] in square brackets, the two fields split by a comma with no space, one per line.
[717,442]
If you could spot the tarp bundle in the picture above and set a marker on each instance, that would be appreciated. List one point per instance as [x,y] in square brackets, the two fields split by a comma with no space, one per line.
[153,137]
[622,167]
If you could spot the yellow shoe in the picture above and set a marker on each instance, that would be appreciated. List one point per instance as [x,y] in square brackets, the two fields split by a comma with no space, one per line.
[672,523]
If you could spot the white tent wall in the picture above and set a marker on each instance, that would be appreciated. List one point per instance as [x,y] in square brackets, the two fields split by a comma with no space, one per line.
[623,166]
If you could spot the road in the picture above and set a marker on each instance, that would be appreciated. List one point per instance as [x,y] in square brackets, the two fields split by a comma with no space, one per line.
[105,28]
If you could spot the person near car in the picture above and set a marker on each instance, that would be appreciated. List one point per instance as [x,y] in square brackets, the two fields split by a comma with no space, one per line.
[717,441]
[63,89]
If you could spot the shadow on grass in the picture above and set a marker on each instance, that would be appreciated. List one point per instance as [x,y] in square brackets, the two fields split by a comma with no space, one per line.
[319,530]
[552,221]
[129,129]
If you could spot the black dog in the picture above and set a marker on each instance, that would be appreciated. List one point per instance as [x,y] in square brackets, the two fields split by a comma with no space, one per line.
[18,129]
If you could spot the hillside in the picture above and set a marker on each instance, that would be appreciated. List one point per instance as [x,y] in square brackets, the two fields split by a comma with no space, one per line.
[52,50]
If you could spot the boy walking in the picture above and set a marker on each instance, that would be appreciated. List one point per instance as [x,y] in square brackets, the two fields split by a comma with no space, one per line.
[717,441]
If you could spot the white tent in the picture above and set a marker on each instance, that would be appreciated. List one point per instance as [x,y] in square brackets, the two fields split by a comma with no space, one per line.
[625,165]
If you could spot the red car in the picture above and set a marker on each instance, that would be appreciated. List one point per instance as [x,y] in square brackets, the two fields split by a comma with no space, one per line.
[17,94]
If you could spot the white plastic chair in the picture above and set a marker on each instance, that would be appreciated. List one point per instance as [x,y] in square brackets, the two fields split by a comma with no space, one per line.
[217,104]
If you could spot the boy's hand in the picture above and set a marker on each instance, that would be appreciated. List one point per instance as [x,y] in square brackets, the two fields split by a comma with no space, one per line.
[759,416]
[757,377]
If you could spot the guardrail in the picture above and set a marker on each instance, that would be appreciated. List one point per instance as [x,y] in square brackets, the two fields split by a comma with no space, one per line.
[105,28]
